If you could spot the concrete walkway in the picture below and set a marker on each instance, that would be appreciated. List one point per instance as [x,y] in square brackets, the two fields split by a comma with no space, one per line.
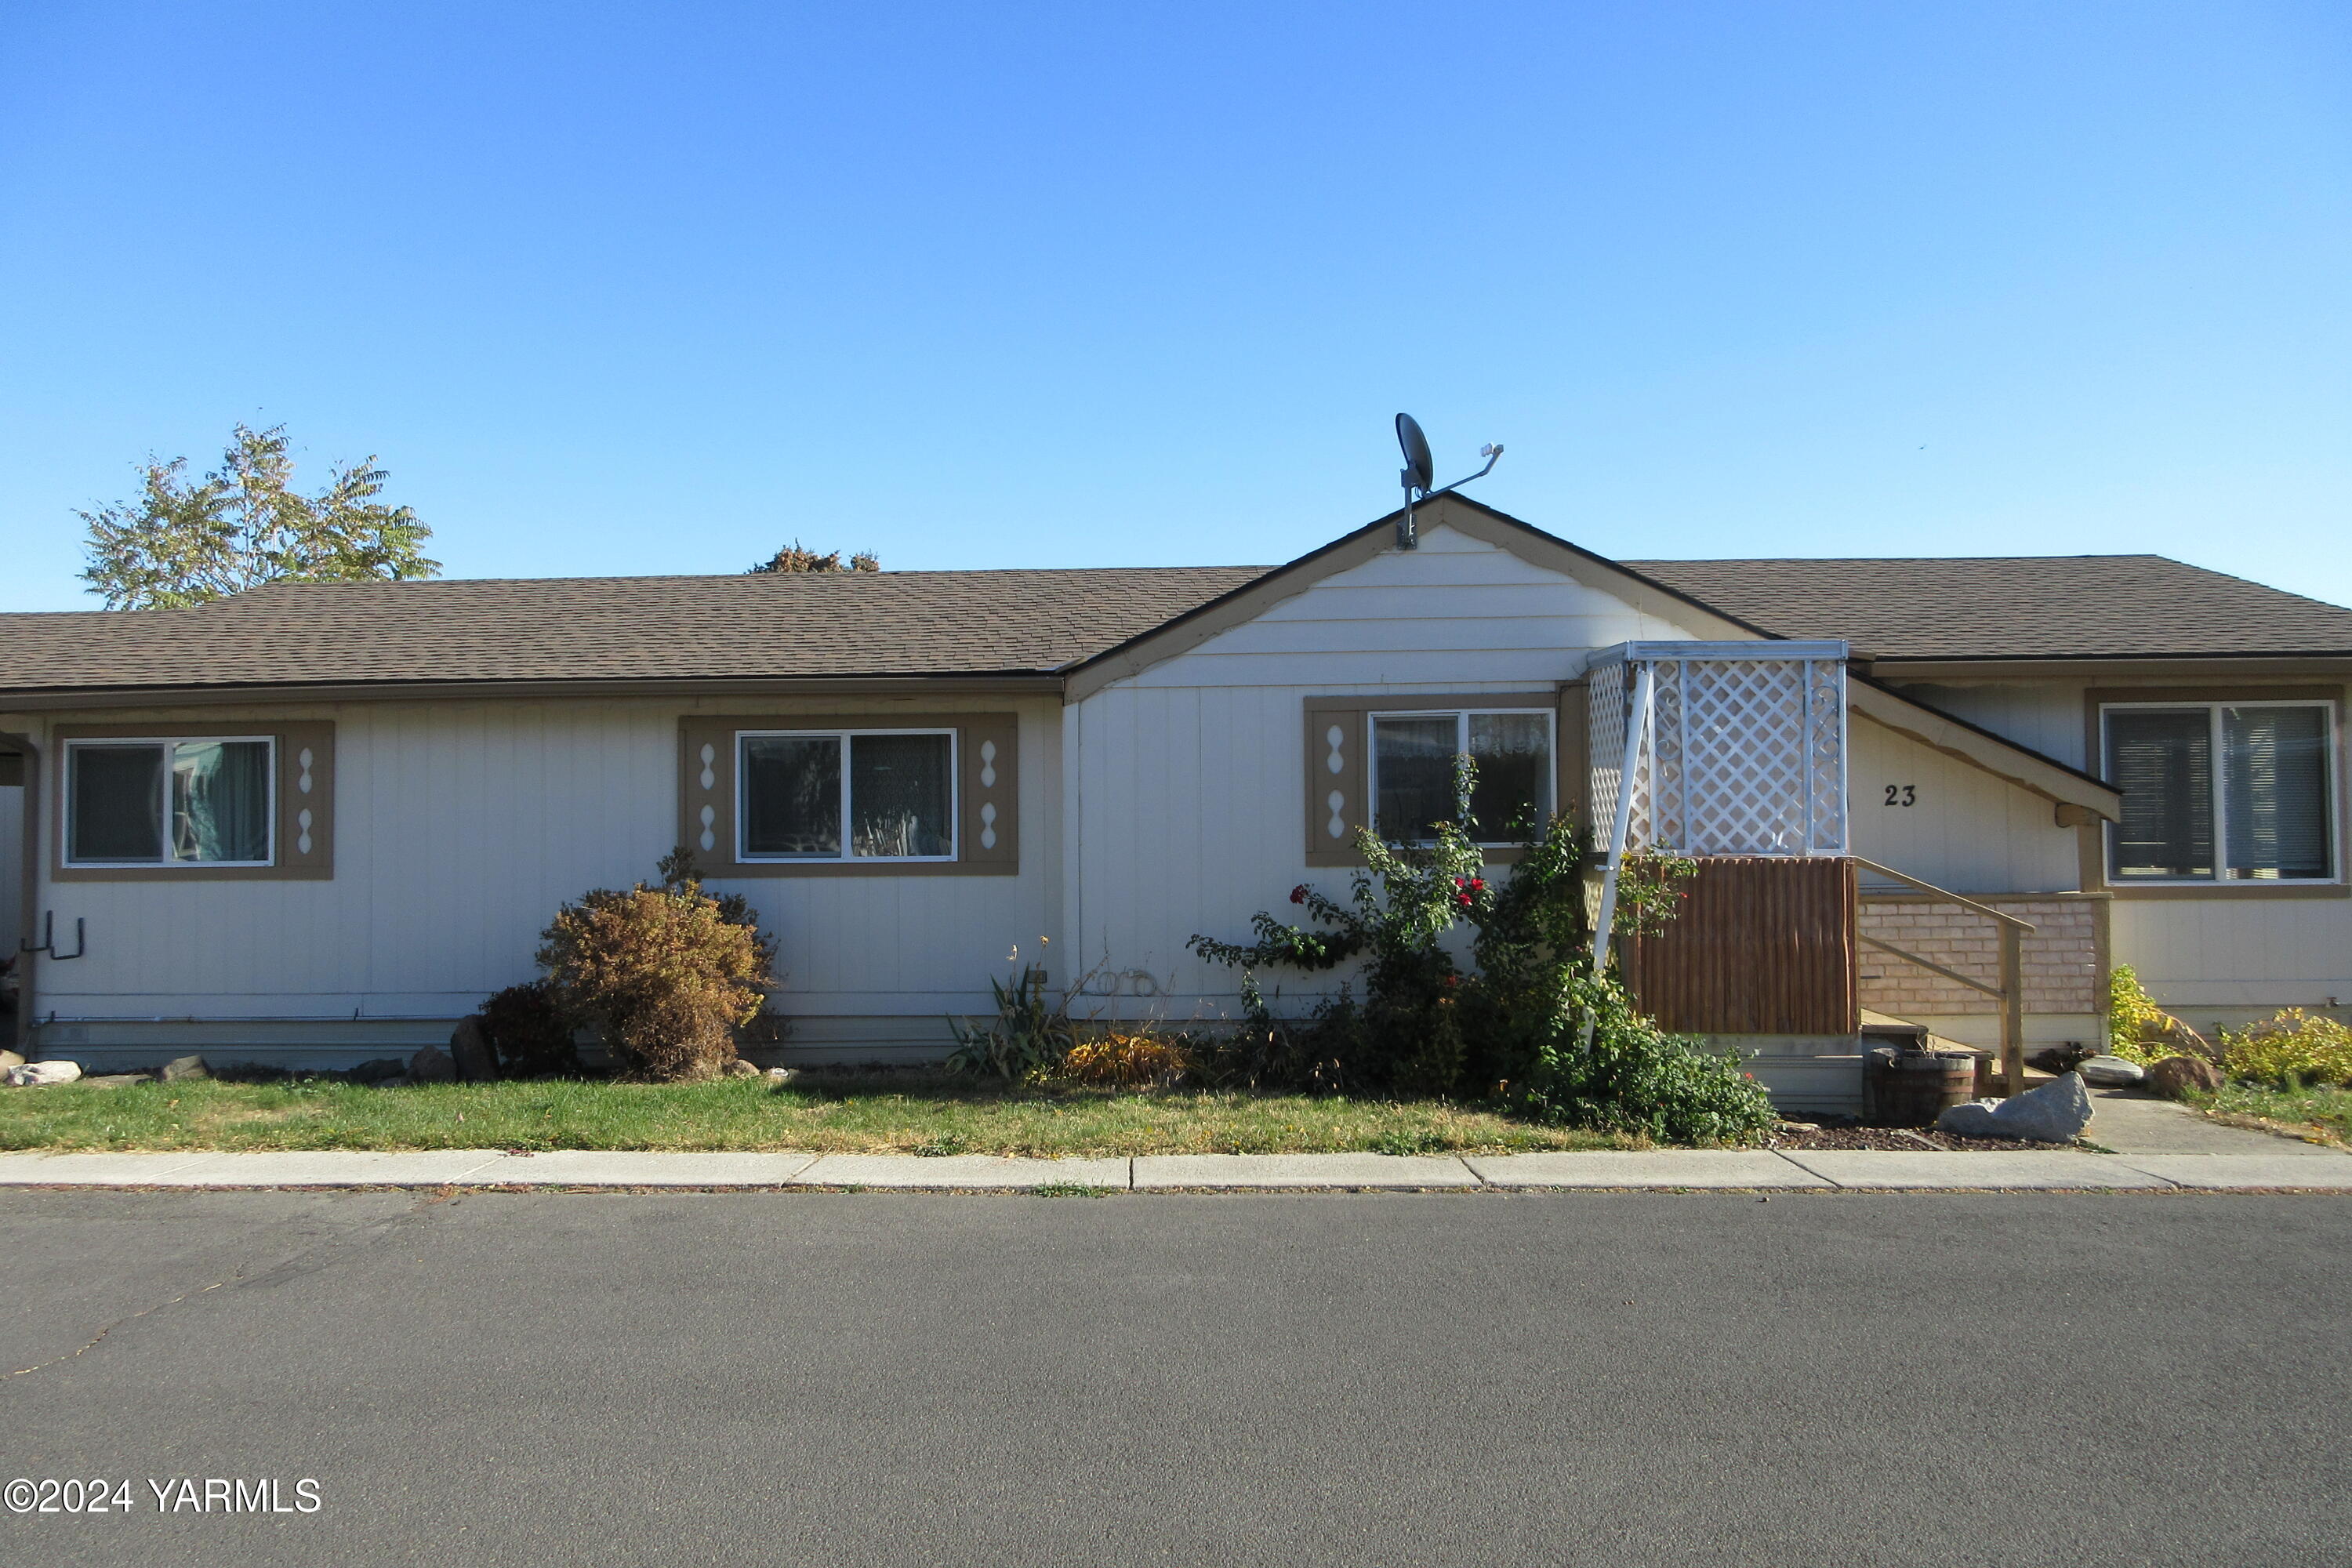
[2131,1122]
[2278,1163]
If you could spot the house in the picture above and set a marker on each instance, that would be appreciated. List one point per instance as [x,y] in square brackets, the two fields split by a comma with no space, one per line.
[315,822]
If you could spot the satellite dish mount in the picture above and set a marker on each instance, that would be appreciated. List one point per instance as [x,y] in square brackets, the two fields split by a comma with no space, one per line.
[1420,472]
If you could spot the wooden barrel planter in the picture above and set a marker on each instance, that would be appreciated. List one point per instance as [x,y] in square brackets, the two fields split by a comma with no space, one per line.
[1911,1089]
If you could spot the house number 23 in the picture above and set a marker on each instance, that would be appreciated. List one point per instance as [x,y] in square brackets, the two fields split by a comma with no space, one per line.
[1901,794]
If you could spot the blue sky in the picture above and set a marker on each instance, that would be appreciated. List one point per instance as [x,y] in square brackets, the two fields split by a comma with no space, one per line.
[655,288]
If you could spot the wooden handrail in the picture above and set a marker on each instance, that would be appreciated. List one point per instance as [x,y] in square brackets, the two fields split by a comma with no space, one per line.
[1945,894]
[1930,963]
[2012,989]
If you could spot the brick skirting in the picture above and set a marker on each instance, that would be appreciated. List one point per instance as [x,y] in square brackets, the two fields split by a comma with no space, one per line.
[2064,959]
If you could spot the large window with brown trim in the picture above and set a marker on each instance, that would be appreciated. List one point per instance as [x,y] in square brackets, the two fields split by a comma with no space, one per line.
[248,801]
[864,794]
[2221,792]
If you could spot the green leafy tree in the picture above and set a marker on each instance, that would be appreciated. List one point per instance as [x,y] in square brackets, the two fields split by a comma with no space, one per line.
[183,542]
[797,557]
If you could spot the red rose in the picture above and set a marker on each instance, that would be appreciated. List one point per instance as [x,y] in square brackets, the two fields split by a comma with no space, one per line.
[1299,894]
[1462,899]
[1477,884]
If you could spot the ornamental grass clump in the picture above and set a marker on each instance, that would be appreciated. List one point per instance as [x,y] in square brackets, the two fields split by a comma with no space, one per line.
[662,973]
[1124,1060]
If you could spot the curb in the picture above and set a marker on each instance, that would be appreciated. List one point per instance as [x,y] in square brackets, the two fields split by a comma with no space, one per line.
[1662,1170]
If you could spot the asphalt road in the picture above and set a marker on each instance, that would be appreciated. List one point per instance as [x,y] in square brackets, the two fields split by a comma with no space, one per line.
[1471,1378]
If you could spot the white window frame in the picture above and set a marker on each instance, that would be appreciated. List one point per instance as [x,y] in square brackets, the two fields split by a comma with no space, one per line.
[168,744]
[848,837]
[2219,787]
[1461,717]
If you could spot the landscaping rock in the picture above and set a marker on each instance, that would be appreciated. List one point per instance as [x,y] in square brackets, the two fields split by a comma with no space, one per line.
[2181,1039]
[396,1080]
[433,1065]
[470,1049]
[781,1075]
[2055,1113]
[33,1075]
[2176,1076]
[739,1067]
[116,1079]
[378,1070]
[180,1067]
[11,1060]
[2111,1072]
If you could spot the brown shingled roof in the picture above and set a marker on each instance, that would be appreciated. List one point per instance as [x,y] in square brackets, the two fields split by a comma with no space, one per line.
[2014,608]
[847,623]
[877,625]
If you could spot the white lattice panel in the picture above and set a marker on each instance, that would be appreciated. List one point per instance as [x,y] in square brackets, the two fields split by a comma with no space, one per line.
[1746,753]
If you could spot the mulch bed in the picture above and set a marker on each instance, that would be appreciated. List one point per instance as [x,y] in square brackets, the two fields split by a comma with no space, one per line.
[1840,1134]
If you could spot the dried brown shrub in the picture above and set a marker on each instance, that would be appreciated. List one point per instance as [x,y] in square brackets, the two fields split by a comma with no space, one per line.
[661,972]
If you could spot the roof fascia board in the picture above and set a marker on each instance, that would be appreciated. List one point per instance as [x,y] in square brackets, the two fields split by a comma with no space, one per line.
[1483,523]
[1748,648]
[66,699]
[2004,759]
[2166,667]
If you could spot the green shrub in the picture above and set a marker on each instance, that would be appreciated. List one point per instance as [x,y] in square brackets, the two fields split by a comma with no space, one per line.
[1635,1077]
[1528,1023]
[529,1029]
[663,974]
[2290,1050]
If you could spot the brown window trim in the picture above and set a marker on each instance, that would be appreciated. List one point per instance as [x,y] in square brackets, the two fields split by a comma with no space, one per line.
[292,863]
[2091,839]
[988,791]
[1352,717]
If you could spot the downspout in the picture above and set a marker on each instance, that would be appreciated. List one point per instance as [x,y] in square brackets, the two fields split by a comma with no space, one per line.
[28,885]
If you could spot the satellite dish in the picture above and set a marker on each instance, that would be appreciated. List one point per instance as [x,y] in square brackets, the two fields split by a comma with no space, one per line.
[1420,475]
[1420,472]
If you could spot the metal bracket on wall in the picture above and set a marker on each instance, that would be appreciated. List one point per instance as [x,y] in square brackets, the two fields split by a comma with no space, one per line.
[49,939]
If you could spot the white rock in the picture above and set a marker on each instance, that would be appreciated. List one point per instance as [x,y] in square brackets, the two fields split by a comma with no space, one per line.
[2055,1113]
[2111,1072]
[32,1075]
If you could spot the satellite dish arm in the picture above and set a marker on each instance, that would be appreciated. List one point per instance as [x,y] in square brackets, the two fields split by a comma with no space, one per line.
[1492,454]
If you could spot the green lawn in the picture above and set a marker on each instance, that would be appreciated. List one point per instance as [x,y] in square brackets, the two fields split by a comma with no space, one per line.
[849,1115]
[2329,1109]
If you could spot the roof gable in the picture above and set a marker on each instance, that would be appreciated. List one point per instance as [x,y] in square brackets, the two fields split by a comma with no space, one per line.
[1375,541]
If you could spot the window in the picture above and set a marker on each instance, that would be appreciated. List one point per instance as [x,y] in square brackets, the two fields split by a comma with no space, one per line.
[1413,773]
[2231,792]
[171,802]
[867,795]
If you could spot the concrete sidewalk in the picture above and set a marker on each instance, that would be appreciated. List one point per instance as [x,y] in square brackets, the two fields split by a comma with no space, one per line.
[2286,1165]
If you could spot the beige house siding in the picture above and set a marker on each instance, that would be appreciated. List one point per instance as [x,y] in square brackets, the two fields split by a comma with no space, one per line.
[2240,954]
[1950,823]
[460,828]
[1189,775]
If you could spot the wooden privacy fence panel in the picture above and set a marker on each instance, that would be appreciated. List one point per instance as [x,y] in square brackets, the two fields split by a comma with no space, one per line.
[1760,946]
